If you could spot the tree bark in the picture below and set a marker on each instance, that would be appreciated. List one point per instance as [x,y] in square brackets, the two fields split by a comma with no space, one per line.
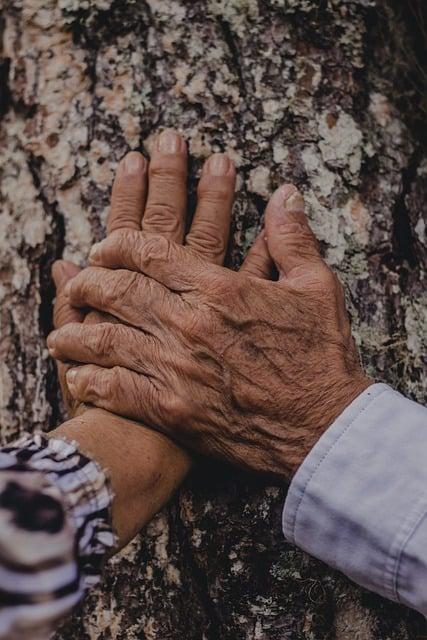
[325,94]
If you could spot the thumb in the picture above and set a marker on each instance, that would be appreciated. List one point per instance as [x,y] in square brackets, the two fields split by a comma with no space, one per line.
[258,261]
[63,312]
[290,240]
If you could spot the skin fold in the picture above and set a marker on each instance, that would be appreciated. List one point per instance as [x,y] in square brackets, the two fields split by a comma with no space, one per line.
[232,365]
[145,467]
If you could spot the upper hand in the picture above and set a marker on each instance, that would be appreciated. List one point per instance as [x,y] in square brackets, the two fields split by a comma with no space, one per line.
[229,363]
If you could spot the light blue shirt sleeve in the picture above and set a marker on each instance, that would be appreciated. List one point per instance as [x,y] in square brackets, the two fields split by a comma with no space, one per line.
[359,500]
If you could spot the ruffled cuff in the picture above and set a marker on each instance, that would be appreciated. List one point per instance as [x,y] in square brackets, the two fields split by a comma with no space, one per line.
[85,490]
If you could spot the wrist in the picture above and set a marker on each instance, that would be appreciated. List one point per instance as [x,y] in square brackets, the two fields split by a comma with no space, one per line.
[329,406]
[144,466]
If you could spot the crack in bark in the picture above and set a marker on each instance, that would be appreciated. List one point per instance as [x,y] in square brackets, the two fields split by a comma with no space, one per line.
[199,583]
[402,238]
[52,250]
[5,98]
[5,95]
[230,41]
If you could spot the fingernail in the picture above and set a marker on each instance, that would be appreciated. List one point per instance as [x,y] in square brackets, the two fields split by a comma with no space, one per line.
[133,162]
[218,165]
[169,142]
[294,202]
[287,190]
[52,353]
[71,377]
[95,252]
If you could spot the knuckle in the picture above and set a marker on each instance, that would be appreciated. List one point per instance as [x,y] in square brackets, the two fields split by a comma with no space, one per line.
[156,247]
[124,389]
[61,311]
[83,284]
[121,242]
[206,238]
[101,340]
[95,289]
[123,220]
[125,200]
[223,286]
[294,228]
[163,217]
[258,262]
[122,239]
[300,236]
[167,175]
[257,256]
[120,285]
[214,191]
[104,384]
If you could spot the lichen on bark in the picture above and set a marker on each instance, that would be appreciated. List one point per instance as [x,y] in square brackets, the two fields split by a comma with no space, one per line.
[294,90]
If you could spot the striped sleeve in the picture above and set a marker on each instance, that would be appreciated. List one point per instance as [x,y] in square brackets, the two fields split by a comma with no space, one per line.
[55,532]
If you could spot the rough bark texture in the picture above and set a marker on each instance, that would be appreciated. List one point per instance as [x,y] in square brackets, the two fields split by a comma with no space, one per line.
[322,93]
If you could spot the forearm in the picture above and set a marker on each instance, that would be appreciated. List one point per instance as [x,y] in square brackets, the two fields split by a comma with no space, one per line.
[144,467]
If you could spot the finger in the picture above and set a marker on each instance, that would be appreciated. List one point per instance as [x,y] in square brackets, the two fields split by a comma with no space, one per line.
[170,264]
[211,225]
[167,193]
[258,262]
[119,390]
[94,316]
[104,344]
[129,296]
[290,241]
[129,193]
[63,312]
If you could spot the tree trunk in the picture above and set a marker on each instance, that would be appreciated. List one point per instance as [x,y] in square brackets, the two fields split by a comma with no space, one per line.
[326,94]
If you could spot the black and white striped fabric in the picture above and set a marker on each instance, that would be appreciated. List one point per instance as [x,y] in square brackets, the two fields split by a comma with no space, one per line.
[55,531]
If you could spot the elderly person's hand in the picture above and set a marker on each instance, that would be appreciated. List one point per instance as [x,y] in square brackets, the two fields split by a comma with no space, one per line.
[153,197]
[228,363]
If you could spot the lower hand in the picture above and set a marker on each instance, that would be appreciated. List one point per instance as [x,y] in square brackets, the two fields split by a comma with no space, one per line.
[153,197]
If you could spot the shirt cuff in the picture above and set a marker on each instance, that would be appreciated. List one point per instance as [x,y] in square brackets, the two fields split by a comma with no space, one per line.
[359,500]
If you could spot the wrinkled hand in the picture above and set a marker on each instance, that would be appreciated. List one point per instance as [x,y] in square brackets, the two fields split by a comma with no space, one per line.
[153,196]
[228,363]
